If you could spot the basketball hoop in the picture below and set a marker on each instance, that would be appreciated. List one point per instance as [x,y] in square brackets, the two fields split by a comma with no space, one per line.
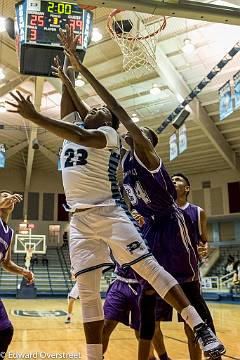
[136,38]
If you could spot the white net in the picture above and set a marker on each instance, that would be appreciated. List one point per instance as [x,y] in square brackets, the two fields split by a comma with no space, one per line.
[136,34]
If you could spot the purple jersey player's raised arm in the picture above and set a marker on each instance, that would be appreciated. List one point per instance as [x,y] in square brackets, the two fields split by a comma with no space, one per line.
[150,192]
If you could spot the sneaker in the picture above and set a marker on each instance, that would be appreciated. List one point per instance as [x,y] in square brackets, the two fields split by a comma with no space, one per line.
[68,320]
[210,345]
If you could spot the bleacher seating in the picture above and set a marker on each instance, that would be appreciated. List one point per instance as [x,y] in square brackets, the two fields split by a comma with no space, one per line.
[53,279]
[219,267]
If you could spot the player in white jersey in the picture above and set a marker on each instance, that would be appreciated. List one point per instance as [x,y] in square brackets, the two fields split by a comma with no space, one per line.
[101,222]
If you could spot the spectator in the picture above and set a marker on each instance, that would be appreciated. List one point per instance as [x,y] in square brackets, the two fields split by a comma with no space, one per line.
[236,275]
[235,288]
[34,259]
[229,265]
[65,240]
[44,260]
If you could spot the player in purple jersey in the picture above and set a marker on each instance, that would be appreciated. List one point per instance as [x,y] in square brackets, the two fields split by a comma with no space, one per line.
[7,202]
[130,249]
[192,289]
[121,305]
[196,214]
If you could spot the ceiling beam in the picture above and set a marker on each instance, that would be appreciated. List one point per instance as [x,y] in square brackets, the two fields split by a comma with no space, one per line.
[234,2]
[178,85]
[48,154]
[176,8]
[39,82]
[15,149]
[12,84]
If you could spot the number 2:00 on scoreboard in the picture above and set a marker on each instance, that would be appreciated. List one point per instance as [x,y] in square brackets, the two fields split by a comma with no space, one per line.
[45,18]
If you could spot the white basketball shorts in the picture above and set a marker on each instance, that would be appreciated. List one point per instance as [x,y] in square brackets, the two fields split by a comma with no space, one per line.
[95,230]
[74,293]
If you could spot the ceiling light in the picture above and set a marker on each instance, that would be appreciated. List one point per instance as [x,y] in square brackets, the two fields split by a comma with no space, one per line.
[79,82]
[155,90]
[2,24]
[2,75]
[96,35]
[2,109]
[180,98]
[135,119]
[188,47]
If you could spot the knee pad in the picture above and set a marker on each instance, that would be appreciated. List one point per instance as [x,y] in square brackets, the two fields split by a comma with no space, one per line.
[156,275]
[91,303]
[147,305]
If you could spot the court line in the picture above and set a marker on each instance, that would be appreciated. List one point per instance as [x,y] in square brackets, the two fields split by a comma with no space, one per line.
[118,339]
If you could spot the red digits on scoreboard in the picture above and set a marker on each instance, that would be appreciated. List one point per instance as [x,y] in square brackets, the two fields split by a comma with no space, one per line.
[79,24]
[33,20]
[37,20]
[80,40]
[40,20]
[75,24]
[33,34]
[72,24]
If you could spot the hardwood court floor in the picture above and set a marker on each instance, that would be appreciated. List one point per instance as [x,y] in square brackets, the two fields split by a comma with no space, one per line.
[51,336]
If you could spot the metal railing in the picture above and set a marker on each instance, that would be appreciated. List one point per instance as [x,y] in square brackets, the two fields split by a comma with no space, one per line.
[219,283]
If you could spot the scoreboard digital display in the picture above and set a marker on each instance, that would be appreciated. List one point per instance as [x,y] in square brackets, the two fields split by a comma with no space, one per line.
[38,24]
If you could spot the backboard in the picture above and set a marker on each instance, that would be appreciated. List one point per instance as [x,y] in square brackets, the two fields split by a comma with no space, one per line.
[23,243]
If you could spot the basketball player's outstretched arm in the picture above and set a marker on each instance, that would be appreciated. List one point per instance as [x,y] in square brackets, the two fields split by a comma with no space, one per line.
[70,100]
[71,132]
[142,146]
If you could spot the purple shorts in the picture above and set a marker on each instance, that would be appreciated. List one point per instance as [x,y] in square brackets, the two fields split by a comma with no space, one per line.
[121,304]
[4,320]
[167,239]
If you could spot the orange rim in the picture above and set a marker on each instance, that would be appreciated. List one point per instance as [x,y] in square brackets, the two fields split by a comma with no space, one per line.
[113,33]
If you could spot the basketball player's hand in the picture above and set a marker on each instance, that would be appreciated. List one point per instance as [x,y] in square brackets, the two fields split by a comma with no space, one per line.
[23,106]
[203,249]
[9,201]
[58,71]
[68,39]
[29,276]
[74,59]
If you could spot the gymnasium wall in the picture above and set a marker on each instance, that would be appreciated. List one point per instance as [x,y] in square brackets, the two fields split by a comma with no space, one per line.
[41,183]
[208,190]
[219,194]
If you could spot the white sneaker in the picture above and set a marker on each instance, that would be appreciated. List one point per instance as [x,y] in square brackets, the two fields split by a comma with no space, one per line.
[210,345]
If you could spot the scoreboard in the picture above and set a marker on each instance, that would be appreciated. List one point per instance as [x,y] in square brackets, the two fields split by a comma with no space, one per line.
[38,24]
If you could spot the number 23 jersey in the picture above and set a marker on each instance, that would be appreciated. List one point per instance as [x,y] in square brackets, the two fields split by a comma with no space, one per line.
[89,174]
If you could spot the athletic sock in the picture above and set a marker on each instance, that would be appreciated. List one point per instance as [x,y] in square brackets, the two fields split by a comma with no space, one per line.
[191,317]
[94,352]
